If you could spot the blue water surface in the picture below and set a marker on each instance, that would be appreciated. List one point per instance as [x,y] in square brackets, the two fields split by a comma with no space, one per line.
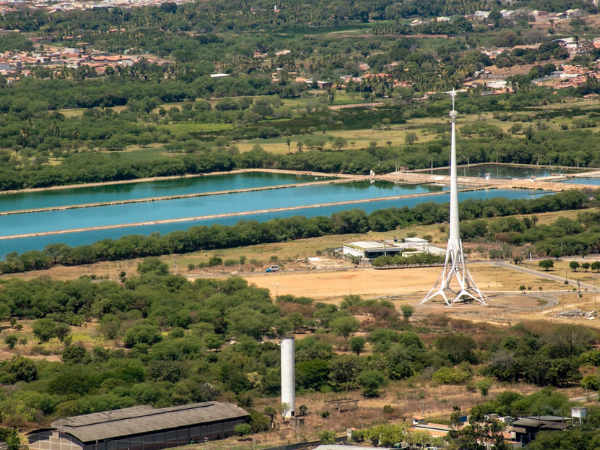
[70,219]
[89,237]
[147,189]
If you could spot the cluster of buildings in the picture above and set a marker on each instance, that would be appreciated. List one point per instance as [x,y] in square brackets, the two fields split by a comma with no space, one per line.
[519,431]
[12,63]
[532,16]
[52,7]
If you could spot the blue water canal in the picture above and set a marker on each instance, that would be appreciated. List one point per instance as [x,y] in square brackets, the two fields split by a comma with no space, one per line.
[202,206]
[150,189]
[290,196]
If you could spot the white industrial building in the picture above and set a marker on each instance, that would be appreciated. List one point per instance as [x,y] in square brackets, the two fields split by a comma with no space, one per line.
[374,249]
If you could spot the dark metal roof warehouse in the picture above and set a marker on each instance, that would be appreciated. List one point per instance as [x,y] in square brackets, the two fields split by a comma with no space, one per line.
[141,428]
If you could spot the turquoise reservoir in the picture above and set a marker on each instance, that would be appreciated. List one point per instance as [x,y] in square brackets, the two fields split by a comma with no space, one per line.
[69,219]
[148,189]
[89,237]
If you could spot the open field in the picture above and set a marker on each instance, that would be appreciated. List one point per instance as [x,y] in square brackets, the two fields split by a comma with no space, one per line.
[330,285]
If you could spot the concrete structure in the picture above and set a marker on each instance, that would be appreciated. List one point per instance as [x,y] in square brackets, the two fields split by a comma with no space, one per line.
[373,249]
[455,283]
[140,428]
[369,249]
[288,375]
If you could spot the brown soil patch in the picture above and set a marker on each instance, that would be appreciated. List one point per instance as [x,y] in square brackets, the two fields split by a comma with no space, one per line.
[324,285]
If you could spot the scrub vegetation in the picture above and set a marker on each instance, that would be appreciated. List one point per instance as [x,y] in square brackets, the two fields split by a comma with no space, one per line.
[159,338]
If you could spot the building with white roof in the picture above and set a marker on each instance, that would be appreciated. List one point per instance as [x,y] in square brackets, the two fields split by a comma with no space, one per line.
[374,249]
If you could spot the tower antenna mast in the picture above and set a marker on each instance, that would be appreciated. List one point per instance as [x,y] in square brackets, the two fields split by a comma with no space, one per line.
[455,284]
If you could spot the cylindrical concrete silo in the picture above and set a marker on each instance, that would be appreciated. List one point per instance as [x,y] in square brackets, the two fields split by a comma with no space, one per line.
[288,375]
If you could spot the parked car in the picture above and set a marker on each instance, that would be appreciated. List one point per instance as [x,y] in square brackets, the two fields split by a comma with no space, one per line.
[273,269]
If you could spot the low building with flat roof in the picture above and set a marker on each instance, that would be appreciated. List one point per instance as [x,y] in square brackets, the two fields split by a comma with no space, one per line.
[140,428]
[374,249]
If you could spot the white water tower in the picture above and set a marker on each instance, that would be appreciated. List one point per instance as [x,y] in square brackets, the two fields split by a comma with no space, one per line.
[288,375]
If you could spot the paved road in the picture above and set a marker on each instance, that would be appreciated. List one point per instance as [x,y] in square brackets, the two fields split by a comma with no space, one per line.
[537,273]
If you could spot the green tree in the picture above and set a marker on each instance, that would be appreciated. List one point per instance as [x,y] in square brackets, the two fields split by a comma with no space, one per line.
[410,138]
[344,370]
[11,437]
[574,265]
[590,382]
[11,340]
[153,266]
[109,326]
[212,341]
[327,437]
[76,354]
[459,347]
[243,429]
[371,381]
[484,386]
[357,344]
[22,369]
[61,331]
[142,334]
[44,329]
[546,264]
[259,422]
[407,311]
[296,320]
[345,326]
[556,253]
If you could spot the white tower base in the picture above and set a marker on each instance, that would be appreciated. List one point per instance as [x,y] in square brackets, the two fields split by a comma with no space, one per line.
[455,284]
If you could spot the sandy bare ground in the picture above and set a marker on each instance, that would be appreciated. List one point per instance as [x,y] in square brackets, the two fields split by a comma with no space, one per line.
[398,282]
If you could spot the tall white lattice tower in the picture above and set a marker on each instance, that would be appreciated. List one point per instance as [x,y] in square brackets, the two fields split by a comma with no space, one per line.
[455,283]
